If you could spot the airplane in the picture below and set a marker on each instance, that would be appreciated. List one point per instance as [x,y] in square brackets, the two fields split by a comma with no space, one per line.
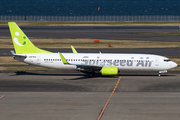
[91,63]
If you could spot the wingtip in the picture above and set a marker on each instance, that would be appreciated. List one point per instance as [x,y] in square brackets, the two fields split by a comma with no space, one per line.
[73,49]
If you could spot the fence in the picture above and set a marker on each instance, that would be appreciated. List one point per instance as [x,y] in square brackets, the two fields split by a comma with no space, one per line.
[92,18]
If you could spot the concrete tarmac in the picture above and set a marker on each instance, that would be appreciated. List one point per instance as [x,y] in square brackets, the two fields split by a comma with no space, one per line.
[75,81]
[98,32]
[71,96]
[87,106]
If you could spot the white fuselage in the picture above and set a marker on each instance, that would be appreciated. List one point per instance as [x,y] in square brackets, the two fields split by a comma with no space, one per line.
[122,61]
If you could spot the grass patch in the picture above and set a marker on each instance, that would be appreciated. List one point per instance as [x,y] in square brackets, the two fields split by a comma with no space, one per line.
[10,61]
[151,33]
[89,43]
[26,68]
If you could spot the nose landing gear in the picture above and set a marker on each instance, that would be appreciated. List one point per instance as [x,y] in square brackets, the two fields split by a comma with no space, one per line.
[164,71]
[91,73]
[159,75]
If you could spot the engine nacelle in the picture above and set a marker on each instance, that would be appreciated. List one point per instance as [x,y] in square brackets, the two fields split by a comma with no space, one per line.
[109,71]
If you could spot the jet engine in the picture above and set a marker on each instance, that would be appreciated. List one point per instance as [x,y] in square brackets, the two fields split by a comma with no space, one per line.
[109,71]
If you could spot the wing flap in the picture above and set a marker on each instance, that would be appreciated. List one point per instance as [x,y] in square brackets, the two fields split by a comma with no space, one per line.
[84,66]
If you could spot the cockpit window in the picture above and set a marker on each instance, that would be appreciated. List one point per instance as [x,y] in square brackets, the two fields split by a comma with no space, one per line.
[167,60]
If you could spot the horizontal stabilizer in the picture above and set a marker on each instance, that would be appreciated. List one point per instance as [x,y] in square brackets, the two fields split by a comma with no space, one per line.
[14,54]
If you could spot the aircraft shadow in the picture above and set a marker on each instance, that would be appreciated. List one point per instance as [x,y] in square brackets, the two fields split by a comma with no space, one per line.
[81,75]
[47,74]
[85,76]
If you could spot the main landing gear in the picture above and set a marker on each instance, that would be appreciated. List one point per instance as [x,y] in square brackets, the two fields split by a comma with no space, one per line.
[91,74]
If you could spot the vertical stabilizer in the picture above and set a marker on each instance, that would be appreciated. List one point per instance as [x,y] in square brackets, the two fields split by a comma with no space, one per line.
[21,42]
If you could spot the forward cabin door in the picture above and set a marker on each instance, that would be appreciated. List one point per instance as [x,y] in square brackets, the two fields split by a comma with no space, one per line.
[157,61]
[38,60]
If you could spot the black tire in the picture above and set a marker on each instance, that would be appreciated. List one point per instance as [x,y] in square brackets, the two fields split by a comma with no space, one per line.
[91,74]
[159,75]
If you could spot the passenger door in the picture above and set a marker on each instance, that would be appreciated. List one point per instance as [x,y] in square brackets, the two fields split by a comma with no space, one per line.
[38,60]
[157,61]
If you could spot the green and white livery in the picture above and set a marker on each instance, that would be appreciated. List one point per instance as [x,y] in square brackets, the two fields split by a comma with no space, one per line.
[21,42]
[106,64]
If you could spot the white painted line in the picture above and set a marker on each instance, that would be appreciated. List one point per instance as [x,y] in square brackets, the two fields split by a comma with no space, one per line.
[2,97]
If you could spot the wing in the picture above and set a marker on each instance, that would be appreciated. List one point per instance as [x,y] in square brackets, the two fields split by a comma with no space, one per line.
[80,66]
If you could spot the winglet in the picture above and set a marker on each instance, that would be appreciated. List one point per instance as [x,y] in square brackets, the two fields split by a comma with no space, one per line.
[73,49]
[63,59]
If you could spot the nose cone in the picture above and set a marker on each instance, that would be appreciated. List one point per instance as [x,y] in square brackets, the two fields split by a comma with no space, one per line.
[173,65]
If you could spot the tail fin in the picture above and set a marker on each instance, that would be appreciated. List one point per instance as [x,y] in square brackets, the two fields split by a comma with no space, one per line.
[21,42]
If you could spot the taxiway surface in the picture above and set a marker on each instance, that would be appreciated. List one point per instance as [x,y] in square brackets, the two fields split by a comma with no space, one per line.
[72,96]
[98,32]
[75,81]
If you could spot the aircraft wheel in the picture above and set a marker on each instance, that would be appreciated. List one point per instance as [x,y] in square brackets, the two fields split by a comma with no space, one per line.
[91,74]
[159,75]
